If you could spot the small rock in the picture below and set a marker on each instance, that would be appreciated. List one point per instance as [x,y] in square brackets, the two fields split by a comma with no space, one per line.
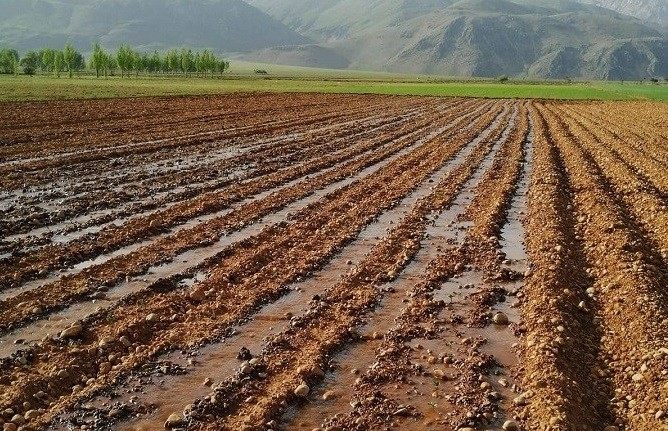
[511,426]
[611,428]
[500,319]
[72,332]
[174,420]
[125,341]
[31,414]
[105,342]
[440,374]
[401,412]
[330,395]
[637,377]
[152,317]
[198,295]
[18,420]
[302,390]
[244,354]
[105,367]
[246,368]
[9,427]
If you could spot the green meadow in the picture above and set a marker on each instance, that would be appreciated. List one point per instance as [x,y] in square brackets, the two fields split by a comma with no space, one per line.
[241,78]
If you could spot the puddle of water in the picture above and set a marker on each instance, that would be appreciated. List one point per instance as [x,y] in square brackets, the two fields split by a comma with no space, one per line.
[458,228]
[513,234]
[430,397]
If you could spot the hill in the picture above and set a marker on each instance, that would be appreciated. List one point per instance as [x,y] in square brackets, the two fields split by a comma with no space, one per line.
[655,11]
[486,38]
[223,25]
[535,38]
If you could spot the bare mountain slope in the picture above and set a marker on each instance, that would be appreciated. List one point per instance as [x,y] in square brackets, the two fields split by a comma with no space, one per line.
[223,25]
[556,38]
[649,10]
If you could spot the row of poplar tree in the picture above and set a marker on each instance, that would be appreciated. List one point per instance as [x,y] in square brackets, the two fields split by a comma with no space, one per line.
[125,60]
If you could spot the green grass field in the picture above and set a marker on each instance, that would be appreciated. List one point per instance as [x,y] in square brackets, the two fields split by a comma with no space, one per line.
[294,79]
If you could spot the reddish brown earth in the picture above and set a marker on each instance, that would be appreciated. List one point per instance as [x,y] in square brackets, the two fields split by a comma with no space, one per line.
[333,262]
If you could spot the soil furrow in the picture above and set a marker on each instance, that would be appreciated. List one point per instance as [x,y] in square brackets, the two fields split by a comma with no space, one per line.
[115,145]
[324,328]
[626,135]
[107,273]
[191,260]
[140,228]
[626,280]
[40,171]
[321,143]
[645,204]
[653,172]
[219,360]
[334,397]
[228,302]
[333,262]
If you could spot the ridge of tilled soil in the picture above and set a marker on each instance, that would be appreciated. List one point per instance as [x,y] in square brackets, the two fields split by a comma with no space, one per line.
[451,333]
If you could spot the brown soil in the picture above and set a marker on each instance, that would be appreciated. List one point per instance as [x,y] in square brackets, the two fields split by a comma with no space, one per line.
[333,262]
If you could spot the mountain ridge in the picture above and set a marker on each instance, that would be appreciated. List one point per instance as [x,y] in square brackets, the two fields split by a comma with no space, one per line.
[146,24]
[486,38]
[655,11]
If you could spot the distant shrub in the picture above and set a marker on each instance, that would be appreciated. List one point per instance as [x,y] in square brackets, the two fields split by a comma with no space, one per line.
[503,78]
[9,61]
[30,62]
[655,80]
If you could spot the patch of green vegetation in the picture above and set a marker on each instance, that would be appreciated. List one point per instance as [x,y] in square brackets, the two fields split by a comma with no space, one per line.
[16,88]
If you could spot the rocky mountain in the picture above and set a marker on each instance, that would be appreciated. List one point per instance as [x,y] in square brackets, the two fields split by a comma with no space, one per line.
[655,11]
[488,38]
[224,25]
[534,38]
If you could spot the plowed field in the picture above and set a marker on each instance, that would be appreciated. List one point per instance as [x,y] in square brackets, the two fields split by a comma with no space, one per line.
[333,262]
